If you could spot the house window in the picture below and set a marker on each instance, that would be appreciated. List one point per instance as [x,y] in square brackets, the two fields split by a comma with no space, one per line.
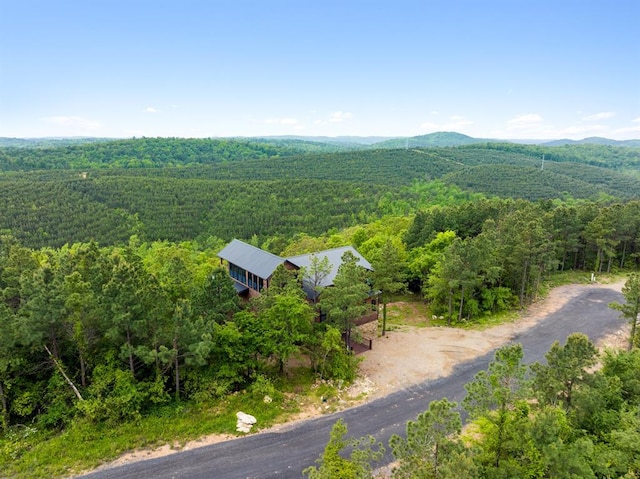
[255,281]
[237,273]
[243,276]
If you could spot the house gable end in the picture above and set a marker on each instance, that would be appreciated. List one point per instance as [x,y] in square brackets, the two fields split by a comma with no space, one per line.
[252,259]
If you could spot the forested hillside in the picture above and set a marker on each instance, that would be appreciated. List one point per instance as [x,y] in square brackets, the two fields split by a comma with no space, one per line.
[595,140]
[116,313]
[606,156]
[439,139]
[48,142]
[150,153]
[149,328]
[177,189]
[43,211]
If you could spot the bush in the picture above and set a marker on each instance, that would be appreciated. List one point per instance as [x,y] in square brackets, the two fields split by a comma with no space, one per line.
[262,388]
[203,389]
[113,396]
[58,403]
[336,362]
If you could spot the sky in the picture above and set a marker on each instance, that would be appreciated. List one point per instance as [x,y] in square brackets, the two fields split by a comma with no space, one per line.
[503,69]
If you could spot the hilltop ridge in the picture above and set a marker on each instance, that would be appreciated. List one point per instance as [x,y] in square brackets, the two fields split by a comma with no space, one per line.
[436,139]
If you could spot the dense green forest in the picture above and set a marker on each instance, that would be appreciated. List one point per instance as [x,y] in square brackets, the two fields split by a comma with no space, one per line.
[87,304]
[150,153]
[116,310]
[607,156]
[47,142]
[175,189]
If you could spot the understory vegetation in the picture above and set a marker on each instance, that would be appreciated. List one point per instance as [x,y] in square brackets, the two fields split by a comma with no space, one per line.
[117,314]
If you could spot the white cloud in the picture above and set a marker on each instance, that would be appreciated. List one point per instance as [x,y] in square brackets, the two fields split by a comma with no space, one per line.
[524,122]
[582,130]
[339,116]
[335,117]
[527,126]
[281,121]
[599,116]
[151,109]
[429,126]
[456,123]
[76,122]
[635,129]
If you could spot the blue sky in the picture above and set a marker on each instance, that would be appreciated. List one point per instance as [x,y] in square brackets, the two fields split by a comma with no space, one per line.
[518,69]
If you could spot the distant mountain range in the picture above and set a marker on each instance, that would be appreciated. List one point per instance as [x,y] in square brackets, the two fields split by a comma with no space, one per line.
[50,142]
[444,139]
[594,140]
[438,139]
[342,140]
[447,138]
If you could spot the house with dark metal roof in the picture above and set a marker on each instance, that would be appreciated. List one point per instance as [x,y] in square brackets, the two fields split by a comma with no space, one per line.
[250,268]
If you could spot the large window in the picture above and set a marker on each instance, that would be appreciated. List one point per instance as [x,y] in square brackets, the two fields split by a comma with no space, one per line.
[243,276]
[237,273]
[255,282]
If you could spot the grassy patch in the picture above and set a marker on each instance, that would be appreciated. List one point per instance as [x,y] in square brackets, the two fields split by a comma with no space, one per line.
[568,277]
[482,322]
[407,310]
[582,277]
[410,310]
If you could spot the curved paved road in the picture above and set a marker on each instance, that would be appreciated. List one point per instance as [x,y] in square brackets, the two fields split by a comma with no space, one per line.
[286,453]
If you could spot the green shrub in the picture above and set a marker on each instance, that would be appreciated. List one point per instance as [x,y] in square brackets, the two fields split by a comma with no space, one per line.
[113,396]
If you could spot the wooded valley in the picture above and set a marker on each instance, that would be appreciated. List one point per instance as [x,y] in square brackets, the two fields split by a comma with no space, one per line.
[115,308]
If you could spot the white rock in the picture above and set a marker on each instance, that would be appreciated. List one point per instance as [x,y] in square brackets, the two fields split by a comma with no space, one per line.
[242,427]
[246,418]
[245,422]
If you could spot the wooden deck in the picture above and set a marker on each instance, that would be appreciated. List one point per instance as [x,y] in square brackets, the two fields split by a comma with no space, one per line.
[367,318]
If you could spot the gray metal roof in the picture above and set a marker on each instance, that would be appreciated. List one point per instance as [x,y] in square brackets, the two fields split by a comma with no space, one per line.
[240,288]
[335,260]
[250,258]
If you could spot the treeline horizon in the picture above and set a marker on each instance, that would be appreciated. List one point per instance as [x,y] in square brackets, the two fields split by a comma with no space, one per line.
[179,190]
